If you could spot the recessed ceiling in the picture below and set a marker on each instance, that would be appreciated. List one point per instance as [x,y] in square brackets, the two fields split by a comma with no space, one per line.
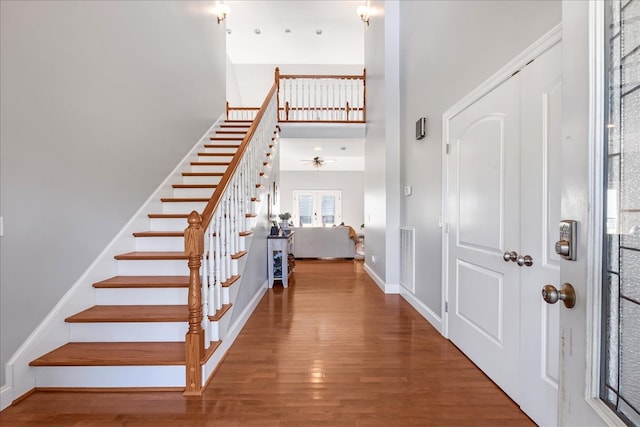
[320,32]
[296,154]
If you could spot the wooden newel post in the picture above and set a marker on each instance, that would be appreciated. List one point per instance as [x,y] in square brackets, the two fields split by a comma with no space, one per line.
[277,76]
[364,95]
[194,340]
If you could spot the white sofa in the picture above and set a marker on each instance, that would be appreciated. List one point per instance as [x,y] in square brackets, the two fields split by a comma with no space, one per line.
[324,242]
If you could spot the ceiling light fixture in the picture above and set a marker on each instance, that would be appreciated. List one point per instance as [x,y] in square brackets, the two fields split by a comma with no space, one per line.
[318,32]
[364,13]
[257,31]
[222,11]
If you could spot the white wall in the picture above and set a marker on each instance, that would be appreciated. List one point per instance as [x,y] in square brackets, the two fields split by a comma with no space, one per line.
[253,81]
[351,183]
[446,49]
[99,102]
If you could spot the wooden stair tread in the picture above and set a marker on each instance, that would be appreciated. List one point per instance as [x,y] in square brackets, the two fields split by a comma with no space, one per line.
[231,132]
[226,138]
[168,216]
[246,233]
[144,282]
[159,234]
[220,313]
[194,185]
[114,354]
[202,173]
[210,163]
[231,281]
[148,255]
[238,255]
[131,313]
[184,199]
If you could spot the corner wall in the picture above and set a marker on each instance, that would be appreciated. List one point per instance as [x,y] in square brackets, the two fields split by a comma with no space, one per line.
[99,102]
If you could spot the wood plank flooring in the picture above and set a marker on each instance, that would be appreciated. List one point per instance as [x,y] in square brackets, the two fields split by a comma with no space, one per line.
[331,350]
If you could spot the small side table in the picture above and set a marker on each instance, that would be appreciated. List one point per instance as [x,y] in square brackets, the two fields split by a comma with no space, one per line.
[281,265]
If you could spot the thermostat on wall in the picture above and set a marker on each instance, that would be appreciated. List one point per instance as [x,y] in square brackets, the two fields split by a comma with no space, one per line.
[421,128]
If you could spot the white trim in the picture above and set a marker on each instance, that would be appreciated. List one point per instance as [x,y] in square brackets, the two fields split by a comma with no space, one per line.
[597,105]
[421,308]
[540,46]
[52,331]
[6,397]
[384,287]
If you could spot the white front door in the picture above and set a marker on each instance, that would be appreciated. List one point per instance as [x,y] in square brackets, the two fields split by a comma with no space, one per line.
[503,209]
[583,185]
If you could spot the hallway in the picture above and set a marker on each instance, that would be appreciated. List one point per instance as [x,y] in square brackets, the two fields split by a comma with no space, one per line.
[331,350]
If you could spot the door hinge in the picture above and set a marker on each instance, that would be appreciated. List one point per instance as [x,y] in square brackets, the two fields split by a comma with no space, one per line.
[447,148]
[446,306]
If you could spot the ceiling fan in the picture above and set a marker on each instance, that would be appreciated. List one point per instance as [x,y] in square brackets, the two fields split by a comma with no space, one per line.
[317,162]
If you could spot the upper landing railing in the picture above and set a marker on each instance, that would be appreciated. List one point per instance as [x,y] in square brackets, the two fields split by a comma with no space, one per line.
[305,98]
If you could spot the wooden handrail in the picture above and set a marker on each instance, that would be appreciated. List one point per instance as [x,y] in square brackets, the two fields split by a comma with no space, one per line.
[338,98]
[235,162]
[323,76]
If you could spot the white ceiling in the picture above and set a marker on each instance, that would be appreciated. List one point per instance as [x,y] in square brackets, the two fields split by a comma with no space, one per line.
[341,42]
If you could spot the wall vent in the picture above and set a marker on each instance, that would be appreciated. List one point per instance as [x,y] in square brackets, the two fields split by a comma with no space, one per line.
[407,258]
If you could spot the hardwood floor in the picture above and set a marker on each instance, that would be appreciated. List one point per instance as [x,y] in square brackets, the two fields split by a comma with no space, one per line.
[331,350]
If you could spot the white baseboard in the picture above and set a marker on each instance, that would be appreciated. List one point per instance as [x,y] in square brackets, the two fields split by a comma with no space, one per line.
[6,397]
[387,288]
[426,312]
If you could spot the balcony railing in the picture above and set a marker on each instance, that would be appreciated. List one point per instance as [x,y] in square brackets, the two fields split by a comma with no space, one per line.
[305,98]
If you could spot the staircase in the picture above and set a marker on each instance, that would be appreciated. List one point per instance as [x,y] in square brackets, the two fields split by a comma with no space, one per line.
[134,335]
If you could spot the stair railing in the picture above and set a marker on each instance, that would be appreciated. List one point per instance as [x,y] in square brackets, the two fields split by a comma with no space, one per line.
[321,98]
[212,238]
[307,98]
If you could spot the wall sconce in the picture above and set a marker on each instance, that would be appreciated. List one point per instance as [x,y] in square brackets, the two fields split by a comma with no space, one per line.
[222,11]
[363,13]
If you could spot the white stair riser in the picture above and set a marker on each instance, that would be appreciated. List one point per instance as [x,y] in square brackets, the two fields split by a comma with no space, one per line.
[214,158]
[229,151]
[160,243]
[167,224]
[214,331]
[223,324]
[128,332]
[201,179]
[209,168]
[193,192]
[144,296]
[182,207]
[153,267]
[225,134]
[110,376]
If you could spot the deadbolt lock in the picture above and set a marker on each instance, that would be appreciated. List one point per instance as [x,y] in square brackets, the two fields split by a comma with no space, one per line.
[566,246]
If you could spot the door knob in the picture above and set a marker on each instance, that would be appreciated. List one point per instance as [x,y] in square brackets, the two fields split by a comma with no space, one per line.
[525,260]
[566,294]
[510,256]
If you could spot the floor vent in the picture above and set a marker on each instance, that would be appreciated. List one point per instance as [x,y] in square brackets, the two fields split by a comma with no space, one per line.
[407,258]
